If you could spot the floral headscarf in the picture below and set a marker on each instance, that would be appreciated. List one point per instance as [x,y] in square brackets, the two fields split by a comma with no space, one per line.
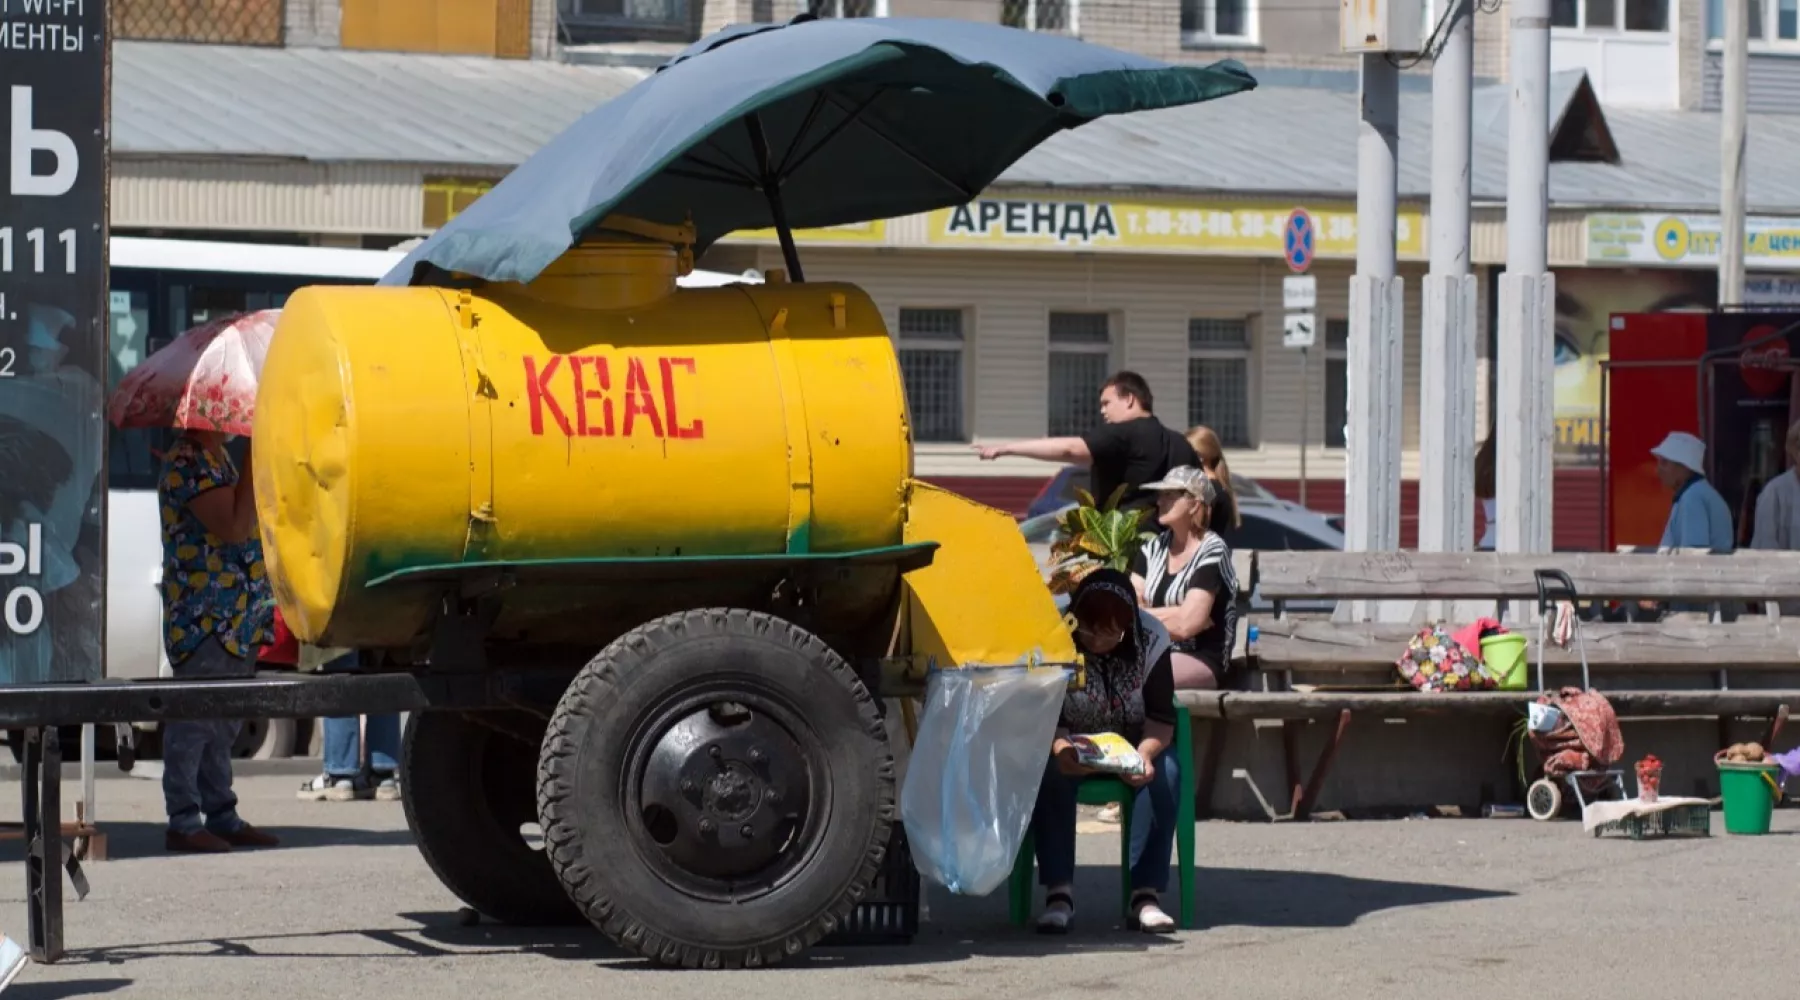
[1114,696]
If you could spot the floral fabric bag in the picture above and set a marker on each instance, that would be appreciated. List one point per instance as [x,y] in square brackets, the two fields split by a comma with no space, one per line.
[1435,662]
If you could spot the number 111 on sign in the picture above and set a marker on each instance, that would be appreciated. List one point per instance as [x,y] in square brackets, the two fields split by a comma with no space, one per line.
[36,245]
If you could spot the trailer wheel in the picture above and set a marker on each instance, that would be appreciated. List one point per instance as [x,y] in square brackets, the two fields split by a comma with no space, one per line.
[468,792]
[716,789]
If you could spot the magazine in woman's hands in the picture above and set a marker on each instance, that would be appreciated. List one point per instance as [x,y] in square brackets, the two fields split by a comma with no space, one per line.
[1108,752]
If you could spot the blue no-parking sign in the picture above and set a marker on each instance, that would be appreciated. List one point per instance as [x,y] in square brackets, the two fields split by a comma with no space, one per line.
[1297,240]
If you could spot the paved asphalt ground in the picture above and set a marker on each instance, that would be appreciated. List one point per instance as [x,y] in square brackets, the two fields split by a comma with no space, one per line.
[1428,909]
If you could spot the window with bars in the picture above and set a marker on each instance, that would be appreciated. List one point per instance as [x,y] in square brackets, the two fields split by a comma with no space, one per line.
[1080,357]
[931,347]
[1219,378]
[1337,380]
[1214,21]
[848,8]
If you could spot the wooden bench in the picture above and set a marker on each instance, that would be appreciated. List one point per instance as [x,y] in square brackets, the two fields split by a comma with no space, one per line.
[1323,667]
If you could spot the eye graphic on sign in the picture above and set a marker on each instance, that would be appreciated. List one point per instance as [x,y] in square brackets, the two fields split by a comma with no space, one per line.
[1672,239]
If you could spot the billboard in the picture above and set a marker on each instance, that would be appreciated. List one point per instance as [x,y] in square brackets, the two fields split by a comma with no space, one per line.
[53,178]
[1586,299]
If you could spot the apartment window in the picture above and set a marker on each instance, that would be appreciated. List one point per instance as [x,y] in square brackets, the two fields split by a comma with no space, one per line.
[848,8]
[1337,380]
[1219,378]
[1609,16]
[1080,359]
[594,21]
[931,364]
[1210,21]
[1042,15]
[1772,21]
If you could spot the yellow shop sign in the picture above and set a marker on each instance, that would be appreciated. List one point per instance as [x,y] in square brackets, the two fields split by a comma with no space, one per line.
[855,233]
[1236,228]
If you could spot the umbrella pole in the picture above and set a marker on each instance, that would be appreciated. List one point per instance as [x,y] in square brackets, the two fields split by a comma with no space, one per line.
[771,187]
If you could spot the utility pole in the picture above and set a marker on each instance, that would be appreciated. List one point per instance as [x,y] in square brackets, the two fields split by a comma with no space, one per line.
[1526,426]
[1447,341]
[1377,304]
[1734,107]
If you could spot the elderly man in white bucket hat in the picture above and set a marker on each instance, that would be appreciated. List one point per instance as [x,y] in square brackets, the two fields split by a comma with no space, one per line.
[1698,519]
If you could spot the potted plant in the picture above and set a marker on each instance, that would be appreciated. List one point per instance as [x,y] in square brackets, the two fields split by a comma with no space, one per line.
[1092,536]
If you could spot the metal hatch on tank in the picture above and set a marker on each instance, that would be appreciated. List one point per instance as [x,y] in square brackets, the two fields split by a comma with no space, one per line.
[676,529]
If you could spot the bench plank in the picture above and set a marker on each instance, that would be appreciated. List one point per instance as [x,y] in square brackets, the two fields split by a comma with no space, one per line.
[1404,575]
[1295,705]
[1286,643]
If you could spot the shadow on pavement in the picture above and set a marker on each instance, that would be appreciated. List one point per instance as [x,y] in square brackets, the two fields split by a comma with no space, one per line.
[23,989]
[959,928]
[126,841]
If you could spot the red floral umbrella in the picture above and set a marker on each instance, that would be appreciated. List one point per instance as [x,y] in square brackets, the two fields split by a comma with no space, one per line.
[204,380]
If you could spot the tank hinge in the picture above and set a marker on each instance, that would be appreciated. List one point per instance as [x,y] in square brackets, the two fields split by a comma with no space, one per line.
[837,310]
[799,447]
[465,309]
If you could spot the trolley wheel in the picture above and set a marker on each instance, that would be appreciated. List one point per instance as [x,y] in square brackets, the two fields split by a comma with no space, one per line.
[716,789]
[469,791]
[1544,800]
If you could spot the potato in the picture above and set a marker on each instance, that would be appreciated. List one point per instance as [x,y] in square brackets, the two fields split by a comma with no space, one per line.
[1754,751]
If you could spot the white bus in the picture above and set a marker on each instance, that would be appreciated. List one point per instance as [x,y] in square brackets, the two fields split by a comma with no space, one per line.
[158,288]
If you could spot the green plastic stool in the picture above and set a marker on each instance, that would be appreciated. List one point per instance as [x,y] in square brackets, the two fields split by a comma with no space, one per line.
[1107,791]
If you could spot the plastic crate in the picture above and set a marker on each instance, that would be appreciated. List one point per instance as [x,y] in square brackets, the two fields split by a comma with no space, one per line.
[1682,821]
[889,914]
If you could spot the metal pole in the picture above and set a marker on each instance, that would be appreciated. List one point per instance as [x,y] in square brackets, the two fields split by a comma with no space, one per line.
[1377,166]
[1305,417]
[1372,479]
[1525,429]
[1734,101]
[1447,341]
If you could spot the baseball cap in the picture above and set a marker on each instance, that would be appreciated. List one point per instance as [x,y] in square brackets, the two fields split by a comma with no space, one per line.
[1189,480]
[1684,450]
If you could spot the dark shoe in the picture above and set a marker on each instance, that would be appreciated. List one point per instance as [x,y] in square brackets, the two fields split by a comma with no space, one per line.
[198,842]
[250,836]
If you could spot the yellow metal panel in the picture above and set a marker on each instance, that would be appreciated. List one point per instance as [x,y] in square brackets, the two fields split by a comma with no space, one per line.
[398,428]
[982,600]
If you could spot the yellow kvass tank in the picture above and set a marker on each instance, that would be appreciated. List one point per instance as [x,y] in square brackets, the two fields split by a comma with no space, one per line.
[595,414]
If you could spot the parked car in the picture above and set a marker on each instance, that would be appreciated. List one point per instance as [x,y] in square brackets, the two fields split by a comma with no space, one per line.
[1059,493]
[1269,523]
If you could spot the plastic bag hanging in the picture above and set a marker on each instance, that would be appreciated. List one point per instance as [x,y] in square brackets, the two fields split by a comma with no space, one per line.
[983,743]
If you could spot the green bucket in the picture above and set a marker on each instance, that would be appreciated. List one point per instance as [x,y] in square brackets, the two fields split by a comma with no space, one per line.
[1504,657]
[1750,792]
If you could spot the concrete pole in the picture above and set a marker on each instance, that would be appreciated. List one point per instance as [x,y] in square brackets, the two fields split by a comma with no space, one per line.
[1734,100]
[1447,342]
[1372,479]
[1526,426]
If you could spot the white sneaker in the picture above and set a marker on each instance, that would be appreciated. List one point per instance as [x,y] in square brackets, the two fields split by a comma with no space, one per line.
[1109,813]
[387,789]
[12,961]
[326,788]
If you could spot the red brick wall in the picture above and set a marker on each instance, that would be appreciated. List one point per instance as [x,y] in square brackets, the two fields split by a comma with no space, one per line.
[1577,516]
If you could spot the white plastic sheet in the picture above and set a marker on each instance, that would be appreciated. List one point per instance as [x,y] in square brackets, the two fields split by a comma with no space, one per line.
[984,739]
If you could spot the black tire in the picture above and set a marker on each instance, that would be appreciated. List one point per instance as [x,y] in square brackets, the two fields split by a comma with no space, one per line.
[468,790]
[816,806]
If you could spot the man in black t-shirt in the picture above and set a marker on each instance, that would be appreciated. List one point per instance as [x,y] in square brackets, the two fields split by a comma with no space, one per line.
[1131,446]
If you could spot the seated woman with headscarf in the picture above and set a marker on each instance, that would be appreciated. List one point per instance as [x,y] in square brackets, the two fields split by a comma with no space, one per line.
[1130,691]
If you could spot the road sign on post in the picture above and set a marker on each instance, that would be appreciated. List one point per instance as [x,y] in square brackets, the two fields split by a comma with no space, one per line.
[53,361]
[1297,239]
[1299,330]
[1299,293]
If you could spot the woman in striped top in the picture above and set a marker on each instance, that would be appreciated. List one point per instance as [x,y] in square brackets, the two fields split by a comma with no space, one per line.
[1184,577]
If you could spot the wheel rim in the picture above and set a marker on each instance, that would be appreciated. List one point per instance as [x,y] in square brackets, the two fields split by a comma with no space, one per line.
[726,790]
[1543,799]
